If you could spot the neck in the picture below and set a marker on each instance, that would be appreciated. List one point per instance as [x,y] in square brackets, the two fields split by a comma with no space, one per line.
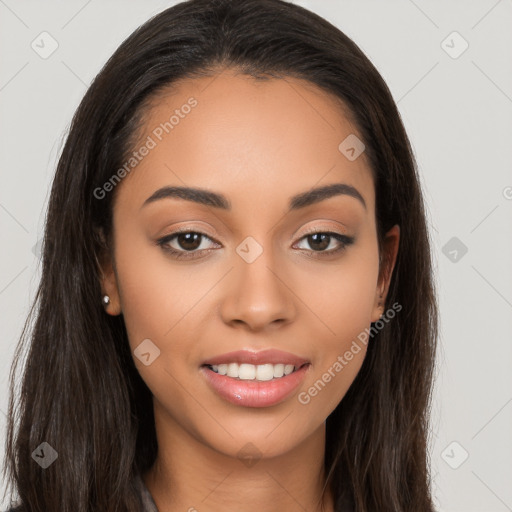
[189,475]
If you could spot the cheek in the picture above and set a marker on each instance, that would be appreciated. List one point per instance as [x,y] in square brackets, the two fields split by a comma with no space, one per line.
[154,295]
[343,295]
[157,300]
[344,303]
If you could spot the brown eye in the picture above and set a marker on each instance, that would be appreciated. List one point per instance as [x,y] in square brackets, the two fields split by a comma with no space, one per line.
[189,241]
[319,241]
[186,244]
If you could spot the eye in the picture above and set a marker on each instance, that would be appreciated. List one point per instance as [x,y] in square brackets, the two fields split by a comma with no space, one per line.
[321,240]
[188,243]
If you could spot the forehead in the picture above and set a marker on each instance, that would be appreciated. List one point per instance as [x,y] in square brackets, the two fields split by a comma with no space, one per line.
[254,140]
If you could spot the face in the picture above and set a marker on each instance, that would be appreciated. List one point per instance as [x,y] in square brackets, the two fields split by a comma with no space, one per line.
[246,273]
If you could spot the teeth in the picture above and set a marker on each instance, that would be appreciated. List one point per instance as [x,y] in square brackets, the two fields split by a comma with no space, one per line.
[260,372]
[288,369]
[278,370]
[232,370]
[264,371]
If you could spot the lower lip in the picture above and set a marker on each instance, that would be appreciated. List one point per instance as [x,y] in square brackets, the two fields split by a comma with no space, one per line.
[253,393]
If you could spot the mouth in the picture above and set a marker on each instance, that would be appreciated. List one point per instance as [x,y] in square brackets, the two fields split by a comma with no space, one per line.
[255,379]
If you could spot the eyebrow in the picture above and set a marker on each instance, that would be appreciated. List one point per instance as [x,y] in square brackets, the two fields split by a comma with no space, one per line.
[217,200]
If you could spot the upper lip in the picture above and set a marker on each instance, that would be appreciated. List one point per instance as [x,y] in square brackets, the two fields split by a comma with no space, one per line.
[270,356]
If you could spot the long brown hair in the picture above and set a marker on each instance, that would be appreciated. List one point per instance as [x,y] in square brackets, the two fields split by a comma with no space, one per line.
[80,390]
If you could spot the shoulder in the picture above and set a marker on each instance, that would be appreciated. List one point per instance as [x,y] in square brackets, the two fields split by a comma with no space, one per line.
[147,500]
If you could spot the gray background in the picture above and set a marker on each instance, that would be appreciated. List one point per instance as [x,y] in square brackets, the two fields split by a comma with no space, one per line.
[457,110]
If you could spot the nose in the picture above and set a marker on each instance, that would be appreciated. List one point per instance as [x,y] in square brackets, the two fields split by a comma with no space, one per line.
[258,296]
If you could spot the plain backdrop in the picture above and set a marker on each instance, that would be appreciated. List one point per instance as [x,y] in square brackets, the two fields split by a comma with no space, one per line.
[448,66]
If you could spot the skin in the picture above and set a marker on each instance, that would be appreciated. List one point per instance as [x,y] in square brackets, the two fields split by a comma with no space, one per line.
[258,143]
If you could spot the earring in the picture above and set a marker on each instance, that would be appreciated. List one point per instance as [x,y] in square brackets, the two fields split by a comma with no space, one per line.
[106,300]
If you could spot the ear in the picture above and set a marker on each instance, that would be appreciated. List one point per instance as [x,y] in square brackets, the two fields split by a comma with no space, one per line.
[387,264]
[108,277]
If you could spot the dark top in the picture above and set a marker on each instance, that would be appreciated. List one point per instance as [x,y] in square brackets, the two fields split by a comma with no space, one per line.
[147,500]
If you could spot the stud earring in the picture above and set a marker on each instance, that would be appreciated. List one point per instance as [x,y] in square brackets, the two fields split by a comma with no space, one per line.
[106,300]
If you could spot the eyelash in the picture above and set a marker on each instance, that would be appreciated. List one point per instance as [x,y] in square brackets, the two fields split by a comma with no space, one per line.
[344,240]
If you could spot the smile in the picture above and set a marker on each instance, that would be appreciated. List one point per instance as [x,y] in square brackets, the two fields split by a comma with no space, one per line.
[260,372]
[255,379]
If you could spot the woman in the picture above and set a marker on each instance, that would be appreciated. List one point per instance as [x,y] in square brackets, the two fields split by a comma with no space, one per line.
[237,307]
